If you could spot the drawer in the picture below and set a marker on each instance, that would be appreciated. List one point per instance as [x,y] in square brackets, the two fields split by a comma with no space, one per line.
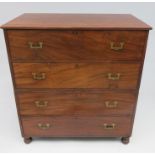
[76,126]
[76,75]
[75,103]
[63,45]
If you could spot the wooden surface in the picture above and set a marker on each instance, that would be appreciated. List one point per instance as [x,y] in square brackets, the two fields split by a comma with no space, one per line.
[74,103]
[60,46]
[76,21]
[76,126]
[76,75]
[76,58]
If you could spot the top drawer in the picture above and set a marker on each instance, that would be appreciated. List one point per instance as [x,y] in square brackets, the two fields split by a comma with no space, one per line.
[76,45]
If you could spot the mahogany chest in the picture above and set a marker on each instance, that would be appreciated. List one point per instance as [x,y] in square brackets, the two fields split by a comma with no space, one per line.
[76,75]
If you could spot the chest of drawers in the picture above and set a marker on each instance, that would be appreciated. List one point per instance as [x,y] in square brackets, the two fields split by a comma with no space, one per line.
[76,75]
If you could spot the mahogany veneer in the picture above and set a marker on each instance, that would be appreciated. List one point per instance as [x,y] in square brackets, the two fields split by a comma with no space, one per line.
[66,45]
[76,103]
[76,75]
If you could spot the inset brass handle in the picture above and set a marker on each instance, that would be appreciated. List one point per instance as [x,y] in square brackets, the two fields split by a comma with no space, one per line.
[41,104]
[38,45]
[111,104]
[38,76]
[109,126]
[116,48]
[44,126]
[114,76]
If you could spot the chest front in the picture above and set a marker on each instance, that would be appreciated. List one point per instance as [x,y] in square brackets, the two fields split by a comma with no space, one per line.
[76,81]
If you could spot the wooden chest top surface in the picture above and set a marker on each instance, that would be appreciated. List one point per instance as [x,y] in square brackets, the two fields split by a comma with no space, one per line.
[76,21]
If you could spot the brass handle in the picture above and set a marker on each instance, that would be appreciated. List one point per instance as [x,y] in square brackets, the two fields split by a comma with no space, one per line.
[41,104]
[38,45]
[38,76]
[109,126]
[116,48]
[111,104]
[44,126]
[114,76]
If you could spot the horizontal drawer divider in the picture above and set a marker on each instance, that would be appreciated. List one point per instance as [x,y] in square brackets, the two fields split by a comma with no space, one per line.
[90,90]
[76,116]
[79,61]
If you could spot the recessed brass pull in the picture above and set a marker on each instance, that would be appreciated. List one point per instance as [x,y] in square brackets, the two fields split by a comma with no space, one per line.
[114,76]
[109,126]
[44,126]
[111,104]
[38,45]
[38,76]
[116,48]
[41,104]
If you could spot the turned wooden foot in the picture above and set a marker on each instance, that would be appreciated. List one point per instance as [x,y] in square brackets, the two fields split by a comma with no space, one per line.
[27,140]
[125,140]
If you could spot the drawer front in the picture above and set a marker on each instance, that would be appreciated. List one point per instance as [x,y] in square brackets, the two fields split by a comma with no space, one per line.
[76,126]
[56,46]
[84,103]
[76,75]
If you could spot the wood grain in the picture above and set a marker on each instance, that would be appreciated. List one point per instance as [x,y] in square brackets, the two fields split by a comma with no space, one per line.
[73,103]
[67,126]
[76,21]
[76,75]
[76,58]
[64,46]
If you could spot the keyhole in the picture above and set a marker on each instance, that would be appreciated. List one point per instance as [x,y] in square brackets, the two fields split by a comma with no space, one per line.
[75,32]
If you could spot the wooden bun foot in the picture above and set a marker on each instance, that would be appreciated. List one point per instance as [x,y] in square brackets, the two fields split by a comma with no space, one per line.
[27,140]
[125,140]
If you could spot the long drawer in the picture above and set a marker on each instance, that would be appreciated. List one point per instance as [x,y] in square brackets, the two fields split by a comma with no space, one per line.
[75,103]
[59,45]
[77,75]
[76,126]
